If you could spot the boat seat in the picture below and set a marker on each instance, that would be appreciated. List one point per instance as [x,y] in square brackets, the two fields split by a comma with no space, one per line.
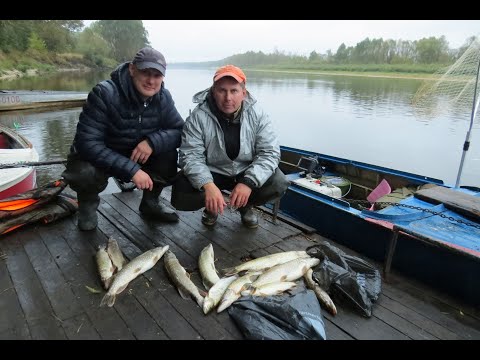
[462,203]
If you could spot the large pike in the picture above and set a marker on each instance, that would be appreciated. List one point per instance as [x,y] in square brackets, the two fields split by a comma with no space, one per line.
[266,262]
[206,266]
[289,271]
[216,292]
[115,254]
[186,288]
[275,288]
[134,268]
[321,294]
[105,266]
[233,291]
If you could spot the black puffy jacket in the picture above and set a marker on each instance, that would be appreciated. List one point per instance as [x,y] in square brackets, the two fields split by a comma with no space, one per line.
[115,119]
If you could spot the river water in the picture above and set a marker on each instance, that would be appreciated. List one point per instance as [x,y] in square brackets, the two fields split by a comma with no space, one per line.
[365,119]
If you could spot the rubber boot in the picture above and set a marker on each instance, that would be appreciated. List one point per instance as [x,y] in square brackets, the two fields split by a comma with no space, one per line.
[87,212]
[249,217]
[152,208]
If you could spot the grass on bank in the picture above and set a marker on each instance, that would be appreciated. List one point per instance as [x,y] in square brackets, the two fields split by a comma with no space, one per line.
[44,62]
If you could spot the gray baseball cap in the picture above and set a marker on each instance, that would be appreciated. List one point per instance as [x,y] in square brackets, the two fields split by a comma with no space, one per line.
[150,58]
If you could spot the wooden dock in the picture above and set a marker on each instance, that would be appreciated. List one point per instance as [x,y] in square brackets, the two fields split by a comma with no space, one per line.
[46,272]
[40,100]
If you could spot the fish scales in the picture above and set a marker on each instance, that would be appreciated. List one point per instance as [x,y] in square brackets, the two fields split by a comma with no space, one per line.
[130,271]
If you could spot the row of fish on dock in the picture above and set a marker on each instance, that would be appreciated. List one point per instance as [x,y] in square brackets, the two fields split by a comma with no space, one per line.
[265,276]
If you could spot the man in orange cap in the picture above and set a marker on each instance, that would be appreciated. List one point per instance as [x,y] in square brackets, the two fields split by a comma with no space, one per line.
[228,144]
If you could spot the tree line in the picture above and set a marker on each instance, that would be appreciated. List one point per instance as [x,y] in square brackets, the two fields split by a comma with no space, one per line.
[424,55]
[99,43]
[107,42]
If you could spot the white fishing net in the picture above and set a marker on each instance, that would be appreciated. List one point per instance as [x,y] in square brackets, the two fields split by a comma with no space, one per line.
[451,90]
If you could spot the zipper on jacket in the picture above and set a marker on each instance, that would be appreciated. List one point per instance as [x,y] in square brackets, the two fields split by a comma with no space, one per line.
[145,104]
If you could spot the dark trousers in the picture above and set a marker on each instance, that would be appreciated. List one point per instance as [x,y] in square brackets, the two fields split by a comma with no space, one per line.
[88,181]
[186,198]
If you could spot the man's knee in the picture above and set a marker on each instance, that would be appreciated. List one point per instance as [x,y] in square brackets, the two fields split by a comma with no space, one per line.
[83,177]
[163,165]
[273,189]
[184,196]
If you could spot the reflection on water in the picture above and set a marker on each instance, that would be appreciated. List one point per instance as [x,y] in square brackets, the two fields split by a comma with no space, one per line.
[364,119]
[68,81]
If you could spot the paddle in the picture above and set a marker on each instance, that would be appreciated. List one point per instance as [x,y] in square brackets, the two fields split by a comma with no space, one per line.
[32,163]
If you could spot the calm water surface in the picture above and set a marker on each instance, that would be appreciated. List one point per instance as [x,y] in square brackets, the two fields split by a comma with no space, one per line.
[364,119]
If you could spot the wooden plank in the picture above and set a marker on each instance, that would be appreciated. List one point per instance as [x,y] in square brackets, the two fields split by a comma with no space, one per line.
[333,332]
[135,316]
[208,327]
[463,326]
[13,325]
[414,325]
[151,234]
[80,328]
[44,105]
[260,234]
[290,221]
[219,234]
[362,328]
[31,296]
[302,242]
[240,238]
[457,201]
[60,295]
[423,302]
[298,242]
[280,229]
[79,268]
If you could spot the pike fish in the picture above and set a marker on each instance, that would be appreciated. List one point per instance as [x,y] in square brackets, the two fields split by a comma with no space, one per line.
[233,291]
[105,266]
[134,268]
[265,262]
[216,292]
[115,254]
[186,288]
[206,266]
[289,271]
[275,288]
[321,294]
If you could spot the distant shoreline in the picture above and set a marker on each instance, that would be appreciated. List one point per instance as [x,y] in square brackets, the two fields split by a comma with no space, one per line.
[350,73]
[12,74]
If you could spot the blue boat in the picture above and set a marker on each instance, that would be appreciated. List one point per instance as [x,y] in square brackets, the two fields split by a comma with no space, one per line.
[415,224]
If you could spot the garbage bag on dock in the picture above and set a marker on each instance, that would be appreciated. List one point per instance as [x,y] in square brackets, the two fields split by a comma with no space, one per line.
[295,316]
[347,279]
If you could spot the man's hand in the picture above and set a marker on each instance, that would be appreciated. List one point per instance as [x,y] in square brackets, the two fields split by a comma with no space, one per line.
[142,180]
[141,153]
[214,201]
[240,195]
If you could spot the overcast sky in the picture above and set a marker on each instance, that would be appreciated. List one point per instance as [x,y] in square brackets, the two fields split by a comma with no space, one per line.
[205,40]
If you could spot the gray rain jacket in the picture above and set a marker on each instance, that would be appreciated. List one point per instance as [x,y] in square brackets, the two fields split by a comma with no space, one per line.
[203,145]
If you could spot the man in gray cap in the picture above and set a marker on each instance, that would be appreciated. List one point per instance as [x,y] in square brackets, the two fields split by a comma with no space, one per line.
[129,129]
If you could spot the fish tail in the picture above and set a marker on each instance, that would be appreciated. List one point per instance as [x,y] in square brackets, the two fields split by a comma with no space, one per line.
[108,300]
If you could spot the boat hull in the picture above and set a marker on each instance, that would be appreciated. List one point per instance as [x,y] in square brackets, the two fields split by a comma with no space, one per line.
[19,185]
[445,254]
[14,148]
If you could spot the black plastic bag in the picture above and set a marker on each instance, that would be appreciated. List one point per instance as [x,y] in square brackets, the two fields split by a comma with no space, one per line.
[348,279]
[295,316]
